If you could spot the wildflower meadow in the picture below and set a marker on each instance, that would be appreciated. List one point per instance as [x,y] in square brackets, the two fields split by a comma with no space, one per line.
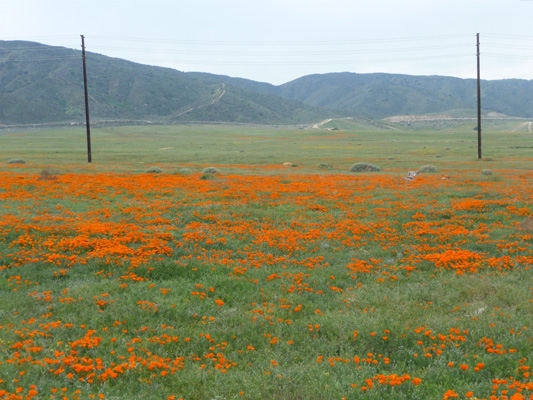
[265,282]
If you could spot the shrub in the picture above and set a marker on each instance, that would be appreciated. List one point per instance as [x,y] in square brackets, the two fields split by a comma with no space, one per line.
[153,170]
[526,225]
[208,177]
[486,172]
[325,166]
[364,167]
[428,168]
[17,161]
[211,170]
[48,174]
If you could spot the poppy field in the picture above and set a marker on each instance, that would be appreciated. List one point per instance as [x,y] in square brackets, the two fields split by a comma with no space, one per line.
[266,282]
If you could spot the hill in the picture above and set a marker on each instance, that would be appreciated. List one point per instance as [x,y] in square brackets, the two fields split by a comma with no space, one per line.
[40,84]
[382,95]
[43,84]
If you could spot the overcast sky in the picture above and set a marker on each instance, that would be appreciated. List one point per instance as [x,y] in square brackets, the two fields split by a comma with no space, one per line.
[277,41]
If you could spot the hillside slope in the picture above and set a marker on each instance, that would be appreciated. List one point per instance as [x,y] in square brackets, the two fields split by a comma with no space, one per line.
[41,83]
[44,84]
[382,95]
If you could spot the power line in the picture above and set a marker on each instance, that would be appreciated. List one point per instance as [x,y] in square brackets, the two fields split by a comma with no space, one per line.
[515,57]
[507,36]
[304,62]
[282,43]
[255,53]
[39,58]
[292,53]
[205,56]
[508,45]
[32,38]
[43,47]
[87,120]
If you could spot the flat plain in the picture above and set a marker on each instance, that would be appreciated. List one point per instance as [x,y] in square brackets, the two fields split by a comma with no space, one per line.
[266,281]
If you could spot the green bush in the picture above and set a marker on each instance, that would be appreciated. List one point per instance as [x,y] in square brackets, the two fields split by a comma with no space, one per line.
[17,161]
[364,167]
[208,177]
[211,170]
[428,168]
[153,170]
[486,172]
[49,174]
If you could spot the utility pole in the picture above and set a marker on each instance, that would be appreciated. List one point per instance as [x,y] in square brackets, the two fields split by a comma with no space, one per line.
[89,156]
[478,103]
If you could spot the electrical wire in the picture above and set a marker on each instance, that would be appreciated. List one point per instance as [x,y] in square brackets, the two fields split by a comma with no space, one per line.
[309,62]
[507,46]
[253,53]
[508,56]
[204,56]
[281,53]
[39,59]
[282,43]
[507,36]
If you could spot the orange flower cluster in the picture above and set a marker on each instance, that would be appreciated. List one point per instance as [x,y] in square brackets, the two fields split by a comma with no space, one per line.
[313,240]
[390,380]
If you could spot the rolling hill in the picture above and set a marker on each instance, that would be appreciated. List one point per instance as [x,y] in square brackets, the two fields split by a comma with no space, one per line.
[43,84]
[380,95]
[40,84]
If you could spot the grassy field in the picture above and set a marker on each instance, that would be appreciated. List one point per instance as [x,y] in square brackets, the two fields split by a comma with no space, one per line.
[265,281]
[121,148]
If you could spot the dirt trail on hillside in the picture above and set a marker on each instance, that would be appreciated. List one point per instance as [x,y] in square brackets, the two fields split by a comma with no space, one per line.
[529,125]
[220,92]
[369,122]
[223,92]
[324,122]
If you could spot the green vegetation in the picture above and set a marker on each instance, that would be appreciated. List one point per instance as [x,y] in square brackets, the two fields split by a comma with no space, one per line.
[211,170]
[49,173]
[17,161]
[154,170]
[383,95]
[43,84]
[195,146]
[428,169]
[364,167]
[264,282]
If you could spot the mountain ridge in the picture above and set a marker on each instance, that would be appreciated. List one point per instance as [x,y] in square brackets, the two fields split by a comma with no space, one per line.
[42,84]
[381,95]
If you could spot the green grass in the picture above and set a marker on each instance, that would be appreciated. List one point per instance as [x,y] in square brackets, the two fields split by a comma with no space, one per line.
[292,233]
[119,148]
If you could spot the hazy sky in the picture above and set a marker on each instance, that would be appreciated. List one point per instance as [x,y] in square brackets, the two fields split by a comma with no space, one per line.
[280,40]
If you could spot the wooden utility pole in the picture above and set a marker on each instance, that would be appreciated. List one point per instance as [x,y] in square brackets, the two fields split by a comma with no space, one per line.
[478,103]
[89,156]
